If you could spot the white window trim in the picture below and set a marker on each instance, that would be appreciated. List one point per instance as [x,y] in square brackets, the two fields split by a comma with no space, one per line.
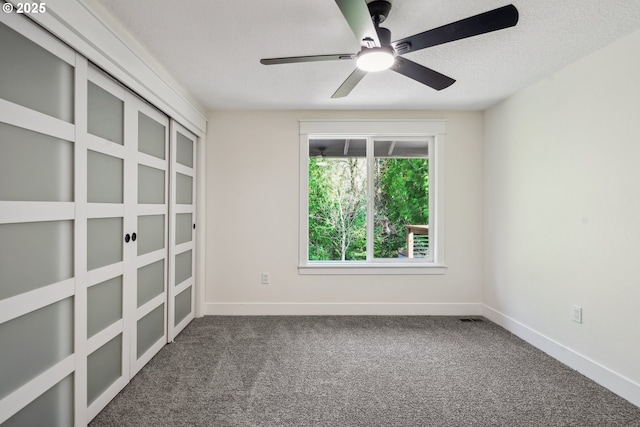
[376,129]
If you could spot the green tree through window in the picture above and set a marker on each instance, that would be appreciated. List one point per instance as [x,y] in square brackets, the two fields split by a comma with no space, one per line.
[337,209]
[401,198]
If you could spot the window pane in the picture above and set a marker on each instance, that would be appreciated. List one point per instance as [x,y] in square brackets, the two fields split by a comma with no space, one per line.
[104,367]
[150,136]
[34,167]
[150,330]
[150,185]
[33,255]
[401,149]
[150,233]
[183,305]
[184,150]
[104,178]
[53,408]
[150,282]
[337,200]
[184,189]
[184,226]
[401,188]
[183,267]
[104,305]
[104,242]
[33,77]
[105,114]
[33,343]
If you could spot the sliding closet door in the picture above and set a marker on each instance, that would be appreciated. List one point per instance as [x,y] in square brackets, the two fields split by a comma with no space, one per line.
[181,234]
[148,129]
[126,234]
[96,255]
[37,219]
[108,223]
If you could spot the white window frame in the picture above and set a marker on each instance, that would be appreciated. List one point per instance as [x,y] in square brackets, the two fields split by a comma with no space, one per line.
[372,130]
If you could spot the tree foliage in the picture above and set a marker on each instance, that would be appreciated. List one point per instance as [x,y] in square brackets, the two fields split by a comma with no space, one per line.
[337,209]
[402,197]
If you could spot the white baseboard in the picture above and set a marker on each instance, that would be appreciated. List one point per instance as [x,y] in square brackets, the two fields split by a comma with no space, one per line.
[602,375]
[333,309]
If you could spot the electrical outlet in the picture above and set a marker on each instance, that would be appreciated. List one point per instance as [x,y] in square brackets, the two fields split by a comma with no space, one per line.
[265,278]
[576,314]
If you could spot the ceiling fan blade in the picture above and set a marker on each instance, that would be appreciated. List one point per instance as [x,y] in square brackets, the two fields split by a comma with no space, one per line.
[493,20]
[421,74]
[358,17]
[313,58]
[348,85]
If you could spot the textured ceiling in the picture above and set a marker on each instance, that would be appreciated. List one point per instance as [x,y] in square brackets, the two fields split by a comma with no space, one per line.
[213,48]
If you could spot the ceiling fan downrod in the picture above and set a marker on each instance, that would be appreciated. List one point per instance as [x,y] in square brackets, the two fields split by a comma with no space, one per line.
[379,11]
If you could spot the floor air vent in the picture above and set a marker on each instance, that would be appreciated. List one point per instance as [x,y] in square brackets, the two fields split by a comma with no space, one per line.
[470,319]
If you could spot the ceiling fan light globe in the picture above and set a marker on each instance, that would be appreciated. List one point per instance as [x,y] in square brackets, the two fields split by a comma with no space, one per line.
[375,59]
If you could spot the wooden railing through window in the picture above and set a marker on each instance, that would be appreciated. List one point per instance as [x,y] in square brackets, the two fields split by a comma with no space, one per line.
[417,240]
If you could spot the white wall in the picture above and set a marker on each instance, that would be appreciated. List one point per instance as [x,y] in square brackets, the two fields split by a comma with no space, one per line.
[562,213]
[252,223]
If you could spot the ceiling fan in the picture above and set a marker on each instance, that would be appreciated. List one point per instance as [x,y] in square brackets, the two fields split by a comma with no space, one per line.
[379,53]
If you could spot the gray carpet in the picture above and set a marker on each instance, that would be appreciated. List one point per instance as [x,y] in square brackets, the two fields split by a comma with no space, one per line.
[359,371]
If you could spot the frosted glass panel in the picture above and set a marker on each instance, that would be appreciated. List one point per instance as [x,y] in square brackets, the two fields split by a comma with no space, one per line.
[104,178]
[183,228]
[33,343]
[104,305]
[150,185]
[184,150]
[151,136]
[33,77]
[150,281]
[104,367]
[53,408]
[150,329]
[183,267]
[105,114]
[34,254]
[104,242]
[183,305]
[34,167]
[184,189]
[150,233]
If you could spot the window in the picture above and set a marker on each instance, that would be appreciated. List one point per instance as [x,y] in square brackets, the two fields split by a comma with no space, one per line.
[371,197]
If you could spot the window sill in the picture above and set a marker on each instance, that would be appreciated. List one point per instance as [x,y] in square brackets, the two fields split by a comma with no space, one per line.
[356,268]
